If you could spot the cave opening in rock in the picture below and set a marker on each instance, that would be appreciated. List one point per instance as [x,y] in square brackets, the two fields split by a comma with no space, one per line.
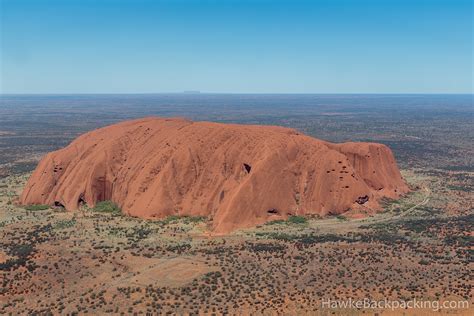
[362,199]
[58,204]
[272,211]
[247,167]
[81,200]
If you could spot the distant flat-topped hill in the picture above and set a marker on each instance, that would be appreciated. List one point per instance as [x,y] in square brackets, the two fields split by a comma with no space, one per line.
[238,175]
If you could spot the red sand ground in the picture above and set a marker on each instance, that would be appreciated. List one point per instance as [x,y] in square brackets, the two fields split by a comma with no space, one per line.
[239,175]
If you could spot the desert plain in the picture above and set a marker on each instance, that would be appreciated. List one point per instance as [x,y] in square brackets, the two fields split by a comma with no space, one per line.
[96,260]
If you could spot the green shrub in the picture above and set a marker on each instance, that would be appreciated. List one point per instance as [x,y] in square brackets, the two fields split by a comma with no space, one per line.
[170,219]
[275,222]
[107,207]
[193,219]
[37,207]
[65,224]
[270,247]
[183,219]
[297,219]
[22,250]
[341,217]
[458,188]
[277,236]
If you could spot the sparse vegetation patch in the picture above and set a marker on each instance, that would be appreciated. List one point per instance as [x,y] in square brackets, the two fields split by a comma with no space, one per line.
[65,224]
[107,207]
[37,207]
[297,219]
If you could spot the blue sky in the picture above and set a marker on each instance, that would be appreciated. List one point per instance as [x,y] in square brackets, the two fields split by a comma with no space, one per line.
[260,46]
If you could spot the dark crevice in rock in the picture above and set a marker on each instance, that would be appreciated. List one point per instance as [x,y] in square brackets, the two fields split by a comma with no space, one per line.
[247,167]
[58,204]
[81,200]
[272,211]
[362,199]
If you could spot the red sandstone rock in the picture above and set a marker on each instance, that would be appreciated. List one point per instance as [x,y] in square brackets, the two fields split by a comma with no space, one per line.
[240,175]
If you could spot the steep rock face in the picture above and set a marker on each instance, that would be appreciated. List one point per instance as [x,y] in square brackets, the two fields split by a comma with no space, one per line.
[240,175]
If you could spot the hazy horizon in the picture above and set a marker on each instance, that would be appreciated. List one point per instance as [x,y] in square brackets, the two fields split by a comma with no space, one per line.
[242,93]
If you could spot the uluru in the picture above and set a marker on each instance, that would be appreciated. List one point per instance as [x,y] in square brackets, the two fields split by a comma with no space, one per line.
[236,175]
